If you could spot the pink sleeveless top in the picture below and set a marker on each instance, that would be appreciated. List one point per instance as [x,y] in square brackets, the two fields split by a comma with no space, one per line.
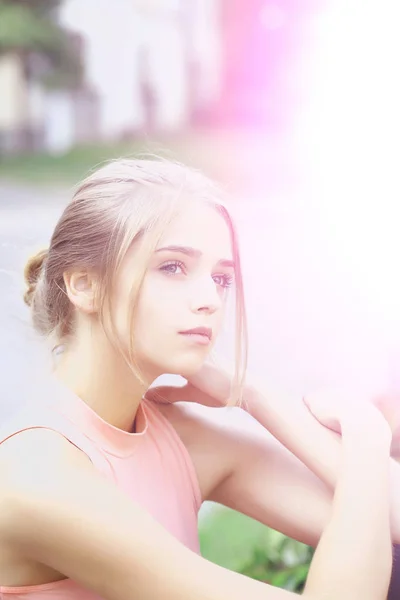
[152,466]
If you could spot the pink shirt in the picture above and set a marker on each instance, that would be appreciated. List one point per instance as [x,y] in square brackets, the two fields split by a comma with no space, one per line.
[152,466]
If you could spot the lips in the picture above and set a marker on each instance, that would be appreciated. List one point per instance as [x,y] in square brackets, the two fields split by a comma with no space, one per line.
[204,331]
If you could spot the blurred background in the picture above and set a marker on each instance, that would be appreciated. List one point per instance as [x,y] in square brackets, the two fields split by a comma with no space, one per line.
[293,106]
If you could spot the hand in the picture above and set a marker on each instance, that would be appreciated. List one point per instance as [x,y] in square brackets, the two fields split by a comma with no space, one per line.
[389,405]
[210,386]
[329,407]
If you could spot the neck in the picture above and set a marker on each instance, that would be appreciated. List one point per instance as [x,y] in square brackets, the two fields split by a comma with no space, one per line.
[103,380]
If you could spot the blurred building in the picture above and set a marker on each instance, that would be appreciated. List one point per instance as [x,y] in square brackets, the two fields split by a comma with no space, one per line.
[34,116]
[13,103]
[152,62]
[149,66]
[153,66]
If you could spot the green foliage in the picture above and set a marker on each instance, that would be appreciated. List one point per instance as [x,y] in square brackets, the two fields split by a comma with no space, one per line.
[24,27]
[65,169]
[68,168]
[241,544]
[31,27]
[40,6]
[231,163]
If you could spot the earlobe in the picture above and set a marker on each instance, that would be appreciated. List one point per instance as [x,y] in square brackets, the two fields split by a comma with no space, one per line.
[81,287]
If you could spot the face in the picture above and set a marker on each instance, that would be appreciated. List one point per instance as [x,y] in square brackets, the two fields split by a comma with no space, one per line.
[184,293]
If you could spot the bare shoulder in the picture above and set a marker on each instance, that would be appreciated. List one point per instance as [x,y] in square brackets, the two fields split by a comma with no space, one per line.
[39,461]
[197,421]
[42,448]
[214,437]
[36,463]
[32,462]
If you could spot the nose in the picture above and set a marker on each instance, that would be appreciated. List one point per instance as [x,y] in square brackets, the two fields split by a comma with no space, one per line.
[205,297]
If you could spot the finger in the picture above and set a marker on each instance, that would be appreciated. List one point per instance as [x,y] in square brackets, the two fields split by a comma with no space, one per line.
[190,393]
[160,394]
[186,393]
[170,394]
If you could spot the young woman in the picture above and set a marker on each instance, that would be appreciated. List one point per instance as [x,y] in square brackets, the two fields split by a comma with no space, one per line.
[102,481]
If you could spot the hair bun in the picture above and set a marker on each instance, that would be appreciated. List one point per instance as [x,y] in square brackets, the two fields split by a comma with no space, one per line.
[32,271]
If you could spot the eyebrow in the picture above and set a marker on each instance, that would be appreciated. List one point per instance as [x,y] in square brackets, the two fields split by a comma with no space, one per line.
[193,253]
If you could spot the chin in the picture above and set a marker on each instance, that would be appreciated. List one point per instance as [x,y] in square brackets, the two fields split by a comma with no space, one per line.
[186,367]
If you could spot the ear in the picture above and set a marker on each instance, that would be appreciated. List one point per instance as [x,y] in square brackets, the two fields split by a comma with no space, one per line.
[81,288]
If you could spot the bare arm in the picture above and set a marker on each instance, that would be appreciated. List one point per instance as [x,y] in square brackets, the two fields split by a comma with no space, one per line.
[361,504]
[317,447]
[270,484]
[71,519]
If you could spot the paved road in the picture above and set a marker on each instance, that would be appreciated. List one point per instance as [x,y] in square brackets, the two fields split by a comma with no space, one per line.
[308,326]
[26,219]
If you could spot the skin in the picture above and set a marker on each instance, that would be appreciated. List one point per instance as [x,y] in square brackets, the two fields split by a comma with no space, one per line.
[193,291]
[239,465]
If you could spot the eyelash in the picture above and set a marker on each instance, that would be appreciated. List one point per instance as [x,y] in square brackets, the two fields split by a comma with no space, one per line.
[227,279]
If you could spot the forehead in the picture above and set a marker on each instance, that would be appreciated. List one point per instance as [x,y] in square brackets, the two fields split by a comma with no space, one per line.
[202,227]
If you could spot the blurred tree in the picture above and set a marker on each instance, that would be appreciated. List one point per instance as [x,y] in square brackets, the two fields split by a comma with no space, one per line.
[30,29]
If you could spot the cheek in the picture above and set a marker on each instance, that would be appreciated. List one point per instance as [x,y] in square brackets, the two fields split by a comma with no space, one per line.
[154,311]
[161,298]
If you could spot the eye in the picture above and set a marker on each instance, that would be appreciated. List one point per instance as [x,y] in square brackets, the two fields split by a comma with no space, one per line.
[223,280]
[173,267]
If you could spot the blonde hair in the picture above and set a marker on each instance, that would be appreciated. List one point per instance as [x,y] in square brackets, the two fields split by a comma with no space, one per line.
[111,209]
